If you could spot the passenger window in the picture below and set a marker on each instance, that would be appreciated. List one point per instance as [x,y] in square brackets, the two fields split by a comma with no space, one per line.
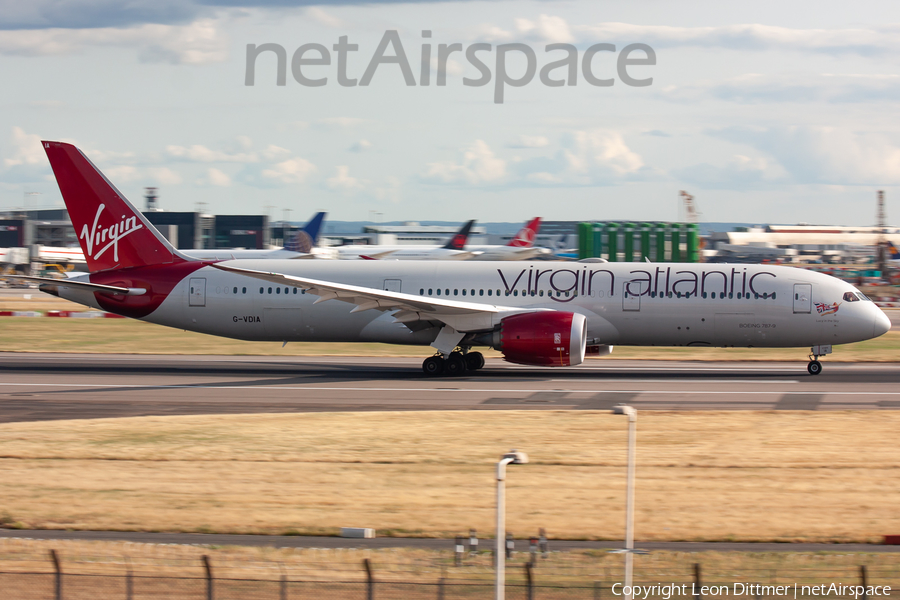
[721,295]
[473,292]
[439,292]
[243,290]
[277,290]
[295,290]
[421,292]
[260,290]
[515,292]
[489,292]
[481,292]
[704,294]
[464,292]
[270,290]
[455,292]
[430,291]
[542,292]
[447,292]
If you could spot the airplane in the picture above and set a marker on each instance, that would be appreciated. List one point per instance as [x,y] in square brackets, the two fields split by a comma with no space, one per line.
[454,249]
[521,247]
[301,245]
[539,314]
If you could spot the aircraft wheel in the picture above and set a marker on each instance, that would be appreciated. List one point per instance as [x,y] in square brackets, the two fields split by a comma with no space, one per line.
[474,361]
[433,365]
[455,365]
[814,367]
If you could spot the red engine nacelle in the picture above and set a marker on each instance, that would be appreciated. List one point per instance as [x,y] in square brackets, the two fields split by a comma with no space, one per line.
[549,339]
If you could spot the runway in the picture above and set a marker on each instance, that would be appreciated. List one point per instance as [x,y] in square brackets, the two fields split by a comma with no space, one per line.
[36,387]
[299,541]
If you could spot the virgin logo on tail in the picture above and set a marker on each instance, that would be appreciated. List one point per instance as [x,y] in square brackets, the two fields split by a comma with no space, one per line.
[111,235]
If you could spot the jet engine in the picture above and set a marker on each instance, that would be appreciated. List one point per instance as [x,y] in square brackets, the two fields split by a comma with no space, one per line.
[547,339]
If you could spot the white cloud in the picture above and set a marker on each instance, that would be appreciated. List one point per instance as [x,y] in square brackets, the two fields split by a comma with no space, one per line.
[196,43]
[825,155]
[739,173]
[390,191]
[217,178]
[340,122]
[590,150]
[320,16]
[273,152]
[122,174]
[294,170]
[478,165]
[360,146]
[548,29]
[748,37]
[200,153]
[342,181]
[530,141]
[27,149]
[164,175]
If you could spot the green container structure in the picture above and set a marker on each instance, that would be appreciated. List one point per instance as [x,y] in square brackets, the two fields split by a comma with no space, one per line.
[676,242]
[692,237]
[585,239]
[599,232]
[612,242]
[660,229]
[628,232]
[645,242]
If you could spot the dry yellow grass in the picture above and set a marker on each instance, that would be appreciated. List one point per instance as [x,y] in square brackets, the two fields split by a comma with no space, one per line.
[786,476]
[22,334]
[413,565]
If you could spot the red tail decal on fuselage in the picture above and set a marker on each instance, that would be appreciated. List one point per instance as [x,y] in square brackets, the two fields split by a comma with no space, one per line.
[113,234]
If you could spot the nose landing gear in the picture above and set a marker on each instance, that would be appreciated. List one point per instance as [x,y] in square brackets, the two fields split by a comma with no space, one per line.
[815,367]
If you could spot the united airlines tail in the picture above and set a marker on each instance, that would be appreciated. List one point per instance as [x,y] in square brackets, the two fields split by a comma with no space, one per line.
[305,239]
[113,234]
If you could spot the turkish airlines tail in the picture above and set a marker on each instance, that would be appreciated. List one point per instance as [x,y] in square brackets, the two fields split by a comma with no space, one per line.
[526,235]
[113,234]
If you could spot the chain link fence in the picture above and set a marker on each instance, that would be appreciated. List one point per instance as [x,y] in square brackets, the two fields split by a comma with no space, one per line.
[54,577]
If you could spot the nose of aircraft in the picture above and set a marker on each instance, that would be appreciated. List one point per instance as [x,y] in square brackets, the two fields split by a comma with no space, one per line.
[882,324]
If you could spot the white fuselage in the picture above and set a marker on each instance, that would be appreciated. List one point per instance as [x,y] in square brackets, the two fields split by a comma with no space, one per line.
[662,304]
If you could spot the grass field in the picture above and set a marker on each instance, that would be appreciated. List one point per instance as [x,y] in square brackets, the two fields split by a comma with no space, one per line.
[402,564]
[758,476]
[23,334]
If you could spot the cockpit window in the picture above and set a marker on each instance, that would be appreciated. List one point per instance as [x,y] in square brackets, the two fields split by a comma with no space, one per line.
[862,296]
[850,297]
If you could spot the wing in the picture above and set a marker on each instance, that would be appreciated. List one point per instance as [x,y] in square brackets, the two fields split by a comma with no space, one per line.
[461,316]
[83,285]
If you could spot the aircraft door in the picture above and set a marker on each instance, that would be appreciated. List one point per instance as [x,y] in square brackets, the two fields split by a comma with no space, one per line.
[392,285]
[198,291]
[631,294]
[802,298]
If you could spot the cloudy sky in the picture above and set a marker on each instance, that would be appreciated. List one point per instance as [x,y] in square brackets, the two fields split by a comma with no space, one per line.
[765,111]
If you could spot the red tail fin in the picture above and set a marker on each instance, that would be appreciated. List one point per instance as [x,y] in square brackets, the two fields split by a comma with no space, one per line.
[526,235]
[113,234]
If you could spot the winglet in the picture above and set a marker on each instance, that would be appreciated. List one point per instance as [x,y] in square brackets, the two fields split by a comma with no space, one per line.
[458,241]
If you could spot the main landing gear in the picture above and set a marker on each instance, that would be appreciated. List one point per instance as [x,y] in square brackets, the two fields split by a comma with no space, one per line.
[456,363]
[815,367]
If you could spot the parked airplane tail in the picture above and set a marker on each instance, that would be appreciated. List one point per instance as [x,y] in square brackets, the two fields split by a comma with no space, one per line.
[895,253]
[305,239]
[113,234]
[458,241]
[526,235]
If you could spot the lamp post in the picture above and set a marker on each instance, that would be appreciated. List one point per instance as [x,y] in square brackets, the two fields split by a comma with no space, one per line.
[631,412]
[510,458]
